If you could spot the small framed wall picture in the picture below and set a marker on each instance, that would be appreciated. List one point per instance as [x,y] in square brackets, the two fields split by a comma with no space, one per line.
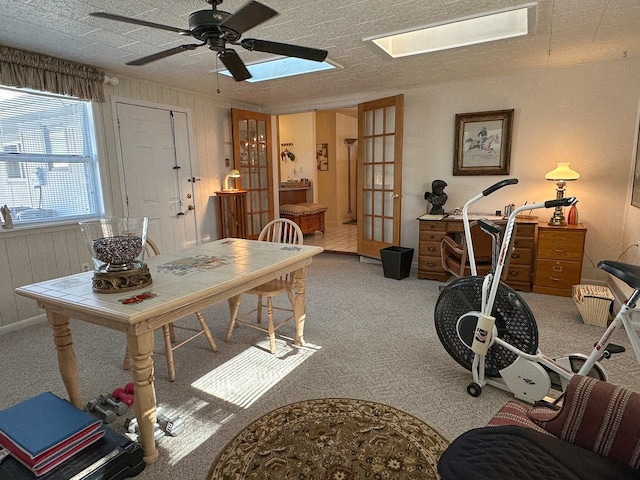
[483,143]
[322,156]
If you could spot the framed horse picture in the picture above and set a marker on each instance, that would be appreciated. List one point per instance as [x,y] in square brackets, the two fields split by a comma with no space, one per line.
[635,188]
[483,143]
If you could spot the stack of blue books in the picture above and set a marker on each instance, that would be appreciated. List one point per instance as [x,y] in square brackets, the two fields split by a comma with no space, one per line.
[45,431]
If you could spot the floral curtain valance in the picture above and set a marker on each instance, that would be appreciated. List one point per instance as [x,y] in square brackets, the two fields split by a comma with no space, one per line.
[19,68]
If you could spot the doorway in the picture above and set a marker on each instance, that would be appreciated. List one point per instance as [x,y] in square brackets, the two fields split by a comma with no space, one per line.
[318,140]
[379,127]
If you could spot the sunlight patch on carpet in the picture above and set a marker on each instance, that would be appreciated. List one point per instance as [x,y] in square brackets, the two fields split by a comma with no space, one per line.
[243,379]
[200,425]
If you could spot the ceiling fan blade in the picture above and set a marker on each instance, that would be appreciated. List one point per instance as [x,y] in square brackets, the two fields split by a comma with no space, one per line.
[135,21]
[285,49]
[163,54]
[234,64]
[249,16]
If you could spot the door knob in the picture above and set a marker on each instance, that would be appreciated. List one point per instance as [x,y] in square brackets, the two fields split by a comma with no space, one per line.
[191,207]
[395,196]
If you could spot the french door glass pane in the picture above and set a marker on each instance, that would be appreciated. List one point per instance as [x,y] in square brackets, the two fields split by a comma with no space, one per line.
[378,122]
[390,117]
[377,229]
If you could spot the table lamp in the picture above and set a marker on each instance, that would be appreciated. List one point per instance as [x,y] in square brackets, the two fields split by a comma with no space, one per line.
[234,174]
[561,175]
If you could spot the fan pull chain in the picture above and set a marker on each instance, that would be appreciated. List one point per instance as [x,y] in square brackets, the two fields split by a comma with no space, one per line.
[217,76]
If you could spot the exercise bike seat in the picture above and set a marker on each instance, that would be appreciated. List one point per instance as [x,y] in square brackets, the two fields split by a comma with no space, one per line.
[629,274]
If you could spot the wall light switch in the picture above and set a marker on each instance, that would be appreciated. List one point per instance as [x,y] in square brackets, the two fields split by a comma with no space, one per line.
[227,162]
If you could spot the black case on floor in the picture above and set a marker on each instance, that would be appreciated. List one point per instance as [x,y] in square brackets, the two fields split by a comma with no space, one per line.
[113,457]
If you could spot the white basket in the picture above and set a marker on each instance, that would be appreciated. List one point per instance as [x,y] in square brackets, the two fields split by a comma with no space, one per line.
[593,303]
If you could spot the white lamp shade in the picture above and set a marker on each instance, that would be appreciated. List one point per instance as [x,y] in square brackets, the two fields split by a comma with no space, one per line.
[233,174]
[562,173]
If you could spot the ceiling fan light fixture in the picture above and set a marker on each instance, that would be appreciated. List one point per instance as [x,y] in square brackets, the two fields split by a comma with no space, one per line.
[488,27]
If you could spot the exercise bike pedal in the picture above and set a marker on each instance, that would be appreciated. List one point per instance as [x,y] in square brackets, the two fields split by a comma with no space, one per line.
[611,349]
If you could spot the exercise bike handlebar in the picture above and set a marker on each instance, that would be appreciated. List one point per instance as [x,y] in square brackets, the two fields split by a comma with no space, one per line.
[499,185]
[465,218]
[562,202]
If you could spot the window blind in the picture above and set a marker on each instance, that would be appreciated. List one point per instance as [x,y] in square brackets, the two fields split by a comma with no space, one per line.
[48,161]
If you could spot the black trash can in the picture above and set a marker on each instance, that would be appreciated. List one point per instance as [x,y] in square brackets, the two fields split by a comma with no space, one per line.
[396,261]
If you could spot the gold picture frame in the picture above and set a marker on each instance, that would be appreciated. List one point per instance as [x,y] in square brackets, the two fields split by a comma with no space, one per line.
[483,143]
[635,187]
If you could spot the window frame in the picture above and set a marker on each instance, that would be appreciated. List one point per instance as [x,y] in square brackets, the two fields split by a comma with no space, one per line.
[84,178]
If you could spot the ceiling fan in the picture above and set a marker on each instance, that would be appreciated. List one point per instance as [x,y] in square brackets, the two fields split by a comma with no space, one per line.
[216,29]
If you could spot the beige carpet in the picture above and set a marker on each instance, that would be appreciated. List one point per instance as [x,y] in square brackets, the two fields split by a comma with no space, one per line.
[332,439]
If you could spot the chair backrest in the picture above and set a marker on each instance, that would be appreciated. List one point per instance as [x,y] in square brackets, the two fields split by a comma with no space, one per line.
[282,230]
[455,257]
[150,248]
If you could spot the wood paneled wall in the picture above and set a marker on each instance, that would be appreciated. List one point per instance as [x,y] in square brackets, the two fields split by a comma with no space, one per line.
[33,255]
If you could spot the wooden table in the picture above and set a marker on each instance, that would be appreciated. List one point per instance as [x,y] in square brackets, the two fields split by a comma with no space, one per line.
[185,282]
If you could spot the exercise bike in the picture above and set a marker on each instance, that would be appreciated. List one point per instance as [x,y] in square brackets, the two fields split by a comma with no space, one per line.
[489,329]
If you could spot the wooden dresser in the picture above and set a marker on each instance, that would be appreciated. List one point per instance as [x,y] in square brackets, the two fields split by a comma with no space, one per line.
[519,274]
[429,263]
[559,257]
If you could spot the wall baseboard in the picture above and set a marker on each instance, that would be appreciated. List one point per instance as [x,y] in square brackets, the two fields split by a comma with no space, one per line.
[23,324]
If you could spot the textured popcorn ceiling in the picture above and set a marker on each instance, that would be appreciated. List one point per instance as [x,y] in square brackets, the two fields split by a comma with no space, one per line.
[575,32]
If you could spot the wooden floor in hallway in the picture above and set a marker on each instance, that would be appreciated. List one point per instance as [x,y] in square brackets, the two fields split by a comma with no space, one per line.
[338,238]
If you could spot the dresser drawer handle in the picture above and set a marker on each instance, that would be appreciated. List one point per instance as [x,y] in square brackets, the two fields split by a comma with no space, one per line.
[431,249]
[555,279]
[557,268]
[431,264]
[559,250]
[513,273]
[515,255]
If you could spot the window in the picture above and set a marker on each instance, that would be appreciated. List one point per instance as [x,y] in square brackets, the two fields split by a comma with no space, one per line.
[48,161]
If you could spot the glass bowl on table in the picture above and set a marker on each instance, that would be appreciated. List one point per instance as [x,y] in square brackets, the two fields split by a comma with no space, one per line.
[117,249]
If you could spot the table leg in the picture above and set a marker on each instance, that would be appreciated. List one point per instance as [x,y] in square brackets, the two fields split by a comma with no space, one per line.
[67,362]
[299,303]
[141,348]
[234,305]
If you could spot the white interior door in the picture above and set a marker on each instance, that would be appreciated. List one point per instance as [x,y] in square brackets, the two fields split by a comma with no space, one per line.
[156,168]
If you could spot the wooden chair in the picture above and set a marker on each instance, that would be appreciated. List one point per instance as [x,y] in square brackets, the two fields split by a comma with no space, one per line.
[280,230]
[168,331]
[455,258]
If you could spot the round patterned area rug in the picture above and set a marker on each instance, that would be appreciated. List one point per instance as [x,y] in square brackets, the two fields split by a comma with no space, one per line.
[332,439]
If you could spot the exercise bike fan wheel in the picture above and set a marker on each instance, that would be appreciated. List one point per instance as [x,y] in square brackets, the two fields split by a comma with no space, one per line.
[514,321]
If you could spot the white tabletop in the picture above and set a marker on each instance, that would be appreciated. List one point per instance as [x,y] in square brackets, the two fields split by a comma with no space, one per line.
[178,278]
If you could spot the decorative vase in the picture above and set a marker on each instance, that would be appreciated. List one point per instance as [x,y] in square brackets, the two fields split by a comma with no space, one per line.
[572,216]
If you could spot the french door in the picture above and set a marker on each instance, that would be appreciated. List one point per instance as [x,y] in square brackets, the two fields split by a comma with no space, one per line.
[252,157]
[379,165]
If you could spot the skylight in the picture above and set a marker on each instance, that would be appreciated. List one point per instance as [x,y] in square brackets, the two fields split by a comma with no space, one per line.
[458,33]
[283,67]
